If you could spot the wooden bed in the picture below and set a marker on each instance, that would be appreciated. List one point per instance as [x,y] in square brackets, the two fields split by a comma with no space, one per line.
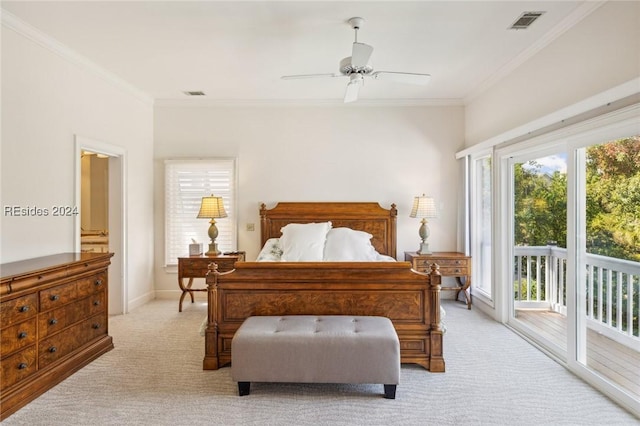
[391,289]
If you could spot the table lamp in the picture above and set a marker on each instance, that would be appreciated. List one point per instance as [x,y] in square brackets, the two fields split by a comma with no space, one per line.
[211,208]
[424,207]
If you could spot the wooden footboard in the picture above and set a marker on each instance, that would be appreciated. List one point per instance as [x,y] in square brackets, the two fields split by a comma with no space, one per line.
[409,298]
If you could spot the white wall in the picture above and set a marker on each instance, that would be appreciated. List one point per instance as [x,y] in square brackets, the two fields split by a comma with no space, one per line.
[46,100]
[320,153]
[600,52]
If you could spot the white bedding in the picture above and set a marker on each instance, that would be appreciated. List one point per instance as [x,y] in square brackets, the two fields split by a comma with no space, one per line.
[321,242]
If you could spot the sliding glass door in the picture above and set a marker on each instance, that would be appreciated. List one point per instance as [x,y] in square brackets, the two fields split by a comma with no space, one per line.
[568,239]
[538,307]
[608,192]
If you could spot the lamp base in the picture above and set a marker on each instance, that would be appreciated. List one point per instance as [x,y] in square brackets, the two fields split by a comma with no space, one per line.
[424,249]
[213,250]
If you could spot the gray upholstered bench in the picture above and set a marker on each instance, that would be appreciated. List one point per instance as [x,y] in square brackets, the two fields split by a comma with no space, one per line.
[316,349]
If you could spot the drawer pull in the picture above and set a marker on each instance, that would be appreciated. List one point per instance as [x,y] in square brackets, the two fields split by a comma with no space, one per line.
[95,326]
[53,321]
[24,308]
[457,270]
[22,366]
[53,349]
[98,283]
[96,303]
[54,297]
[22,335]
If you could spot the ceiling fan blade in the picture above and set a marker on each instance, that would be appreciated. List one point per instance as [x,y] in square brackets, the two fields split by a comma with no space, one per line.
[353,88]
[300,76]
[402,77]
[360,55]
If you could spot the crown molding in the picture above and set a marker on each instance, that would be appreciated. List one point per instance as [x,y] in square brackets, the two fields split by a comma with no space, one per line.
[279,103]
[15,24]
[581,12]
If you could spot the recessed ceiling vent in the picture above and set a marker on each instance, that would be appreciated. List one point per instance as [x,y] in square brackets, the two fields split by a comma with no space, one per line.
[525,20]
[194,93]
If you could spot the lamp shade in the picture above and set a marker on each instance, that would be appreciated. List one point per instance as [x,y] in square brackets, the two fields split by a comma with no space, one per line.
[211,207]
[424,207]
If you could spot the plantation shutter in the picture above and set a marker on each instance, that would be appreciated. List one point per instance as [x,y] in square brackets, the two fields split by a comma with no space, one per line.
[186,182]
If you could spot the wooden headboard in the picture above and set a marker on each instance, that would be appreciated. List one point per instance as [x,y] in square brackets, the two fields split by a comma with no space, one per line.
[368,217]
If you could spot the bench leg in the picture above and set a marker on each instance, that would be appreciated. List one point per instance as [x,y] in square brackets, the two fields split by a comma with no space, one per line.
[390,391]
[244,388]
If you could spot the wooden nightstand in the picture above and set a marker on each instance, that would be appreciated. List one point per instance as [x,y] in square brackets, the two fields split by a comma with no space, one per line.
[197,267]
[452,264]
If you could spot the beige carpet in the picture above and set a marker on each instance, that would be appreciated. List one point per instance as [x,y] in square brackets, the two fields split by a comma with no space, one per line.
[155,377]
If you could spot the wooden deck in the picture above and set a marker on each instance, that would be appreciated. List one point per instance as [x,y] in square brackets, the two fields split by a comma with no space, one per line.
[612,360]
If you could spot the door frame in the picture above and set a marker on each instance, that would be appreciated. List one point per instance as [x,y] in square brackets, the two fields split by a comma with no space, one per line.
[118,304]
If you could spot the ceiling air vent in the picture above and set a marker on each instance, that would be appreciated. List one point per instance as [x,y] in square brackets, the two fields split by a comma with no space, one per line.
[194,93]
[525,20]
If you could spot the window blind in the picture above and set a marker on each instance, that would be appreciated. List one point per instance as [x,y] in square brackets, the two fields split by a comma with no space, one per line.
[186,182]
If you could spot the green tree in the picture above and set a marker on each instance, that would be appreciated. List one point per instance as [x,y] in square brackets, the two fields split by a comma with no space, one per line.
[540,206]
[613,199]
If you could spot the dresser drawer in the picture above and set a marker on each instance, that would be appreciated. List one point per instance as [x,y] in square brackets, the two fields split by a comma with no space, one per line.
[194,270]
[53,321]
[57,296]
[224,264]
[94,327]
[89,306]
[18,366]
[19,309]
[452,262]
[18,336]
[57,346]
[93,284]
[454,271]
[422,264]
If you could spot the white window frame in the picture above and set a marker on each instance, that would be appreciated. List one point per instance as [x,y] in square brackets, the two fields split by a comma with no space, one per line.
[476,241]
[186,182]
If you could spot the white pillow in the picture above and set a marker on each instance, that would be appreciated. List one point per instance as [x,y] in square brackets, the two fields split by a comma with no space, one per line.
[271,252]
[346,244]
[303,242]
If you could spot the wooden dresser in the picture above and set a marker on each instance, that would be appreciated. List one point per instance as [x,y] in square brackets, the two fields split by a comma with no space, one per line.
[54,321]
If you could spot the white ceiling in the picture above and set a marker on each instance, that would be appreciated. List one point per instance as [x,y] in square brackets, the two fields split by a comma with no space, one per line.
[237,51]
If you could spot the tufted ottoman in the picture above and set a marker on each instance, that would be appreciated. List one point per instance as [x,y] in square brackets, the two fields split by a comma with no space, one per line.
[316,349]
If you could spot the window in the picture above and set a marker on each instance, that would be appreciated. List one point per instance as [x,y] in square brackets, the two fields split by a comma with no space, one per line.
[186,182]
[481,225]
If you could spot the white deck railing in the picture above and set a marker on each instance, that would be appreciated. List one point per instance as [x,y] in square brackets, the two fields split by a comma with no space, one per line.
[612,288]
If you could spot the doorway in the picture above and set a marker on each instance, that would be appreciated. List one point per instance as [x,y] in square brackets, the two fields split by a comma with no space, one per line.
[100,227]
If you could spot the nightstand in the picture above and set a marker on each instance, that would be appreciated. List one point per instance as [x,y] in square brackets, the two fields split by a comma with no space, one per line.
[452,264]
[197,267]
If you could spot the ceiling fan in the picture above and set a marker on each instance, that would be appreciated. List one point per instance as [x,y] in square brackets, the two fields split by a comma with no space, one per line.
[357,67]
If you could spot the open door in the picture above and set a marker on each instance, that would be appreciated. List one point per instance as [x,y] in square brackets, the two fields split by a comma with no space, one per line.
[101,223]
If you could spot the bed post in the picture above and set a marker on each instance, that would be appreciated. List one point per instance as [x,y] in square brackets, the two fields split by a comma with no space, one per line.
[210,361]
[264,225]
[436,358]
[393,212]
